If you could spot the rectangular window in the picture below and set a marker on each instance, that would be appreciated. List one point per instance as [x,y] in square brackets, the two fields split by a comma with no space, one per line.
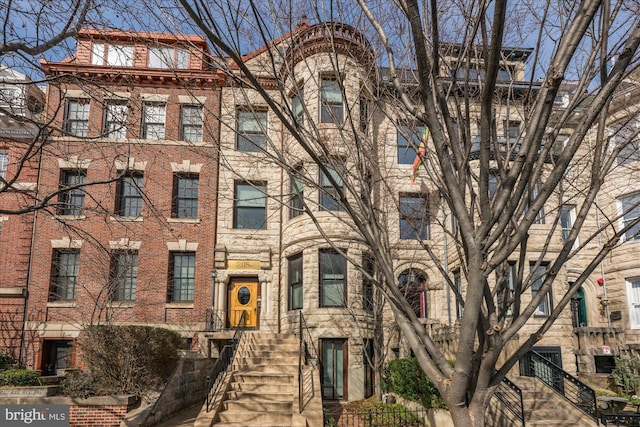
[191,123]
[153,120]
[119,55]
[507,280]
[295,282]
[633,296]
[331,105]
[182,273]
[511,130]
[168,58]
[630,210]
[540,215]
[250,206]
[76,120]
[124,275]
[251,132]
[97,54]
[185,196]
[368,265]
[64,274]
[297,107]
[333,267]
[414,216]
[329,199]
[129,195]
[627,137]
[538,275]
[71,199]
[567,218]
[296,204]
[115,119]
[4,162]
[409,139]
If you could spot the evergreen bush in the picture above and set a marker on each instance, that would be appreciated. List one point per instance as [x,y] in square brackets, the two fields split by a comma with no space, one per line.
[405,378]
[19,378]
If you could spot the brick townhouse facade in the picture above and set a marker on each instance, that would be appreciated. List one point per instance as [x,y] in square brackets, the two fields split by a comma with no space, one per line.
[128,238]
[22,103]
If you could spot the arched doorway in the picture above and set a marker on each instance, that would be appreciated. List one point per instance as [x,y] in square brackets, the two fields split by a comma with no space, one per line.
[413,284]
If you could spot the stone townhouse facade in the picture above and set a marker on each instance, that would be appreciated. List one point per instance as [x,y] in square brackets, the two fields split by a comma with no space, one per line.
[129,234]
[184,202]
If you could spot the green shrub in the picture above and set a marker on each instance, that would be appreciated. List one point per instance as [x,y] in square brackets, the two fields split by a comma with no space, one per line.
[405,378]
[7,361]
[626,374]
[19,378]
[129,359]
[329,420]
[79,384]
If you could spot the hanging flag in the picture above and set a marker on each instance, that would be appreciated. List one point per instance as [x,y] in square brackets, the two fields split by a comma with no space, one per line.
[422,151]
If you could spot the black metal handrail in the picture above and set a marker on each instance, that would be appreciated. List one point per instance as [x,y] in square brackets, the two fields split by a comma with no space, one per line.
[510,395]
[215,320]
[575,391]
[215,378]
[304,353]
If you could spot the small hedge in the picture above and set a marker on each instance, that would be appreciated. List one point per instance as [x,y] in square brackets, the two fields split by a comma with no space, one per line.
[405,378]
[19,378]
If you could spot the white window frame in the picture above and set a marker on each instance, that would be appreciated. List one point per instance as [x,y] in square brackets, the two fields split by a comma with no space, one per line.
[154,114]
[621,217]
[633,304]
[571,209]
[4,162]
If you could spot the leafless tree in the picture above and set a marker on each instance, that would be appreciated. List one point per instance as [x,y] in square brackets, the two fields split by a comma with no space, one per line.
[447,72]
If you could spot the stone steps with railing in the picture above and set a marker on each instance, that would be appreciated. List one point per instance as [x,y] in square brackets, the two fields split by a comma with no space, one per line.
[263,386]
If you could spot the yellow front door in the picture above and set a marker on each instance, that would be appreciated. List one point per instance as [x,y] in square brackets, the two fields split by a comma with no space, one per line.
[243,298]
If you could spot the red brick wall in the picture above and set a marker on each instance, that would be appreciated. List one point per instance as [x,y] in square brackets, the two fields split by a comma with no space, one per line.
[15,244]
[97,416]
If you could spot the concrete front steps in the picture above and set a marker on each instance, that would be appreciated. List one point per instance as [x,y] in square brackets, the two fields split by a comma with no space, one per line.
[263,385]
[544,407]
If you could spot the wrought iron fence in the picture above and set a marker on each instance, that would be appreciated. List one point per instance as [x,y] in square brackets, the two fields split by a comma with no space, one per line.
[620,419]
[575,391]
[393,416]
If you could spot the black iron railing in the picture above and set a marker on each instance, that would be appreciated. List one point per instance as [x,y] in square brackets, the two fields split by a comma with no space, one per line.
[391,416]
[575,391]
[510,396]
[307,355]
[216,378]
[627,419]
[215,320]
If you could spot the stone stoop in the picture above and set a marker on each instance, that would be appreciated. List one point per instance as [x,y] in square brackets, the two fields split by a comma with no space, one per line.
[544,407]
[264,383]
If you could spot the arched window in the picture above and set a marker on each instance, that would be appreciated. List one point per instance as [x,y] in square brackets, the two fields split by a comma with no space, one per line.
[413,285]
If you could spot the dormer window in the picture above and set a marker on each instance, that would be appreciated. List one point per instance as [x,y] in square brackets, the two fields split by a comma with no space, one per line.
[168,58]
[115,55]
